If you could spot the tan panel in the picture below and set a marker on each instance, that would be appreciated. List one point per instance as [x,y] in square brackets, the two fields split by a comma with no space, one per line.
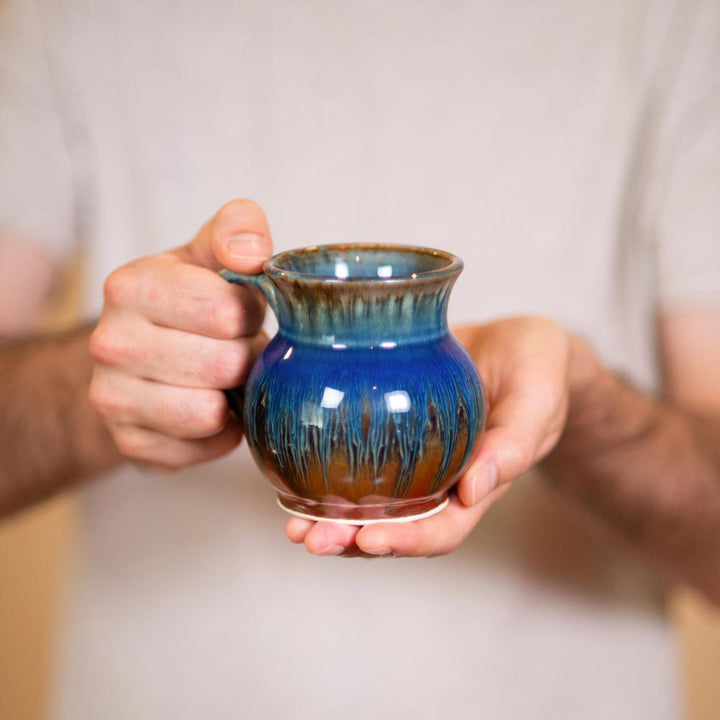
[33,559]
[699,627]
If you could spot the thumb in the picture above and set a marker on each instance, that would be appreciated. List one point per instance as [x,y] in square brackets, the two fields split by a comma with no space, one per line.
[237,238]
[523,427]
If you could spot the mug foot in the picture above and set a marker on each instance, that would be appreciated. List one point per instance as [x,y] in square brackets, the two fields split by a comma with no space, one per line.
[352,514]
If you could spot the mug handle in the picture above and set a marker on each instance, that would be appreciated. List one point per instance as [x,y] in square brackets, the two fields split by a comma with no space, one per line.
[236,396]
[261,281]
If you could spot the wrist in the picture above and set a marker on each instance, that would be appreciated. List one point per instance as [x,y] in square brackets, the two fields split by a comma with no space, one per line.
[603,410]
[586,379]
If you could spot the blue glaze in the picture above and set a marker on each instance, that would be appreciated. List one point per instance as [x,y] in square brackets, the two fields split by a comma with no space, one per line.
[363,406]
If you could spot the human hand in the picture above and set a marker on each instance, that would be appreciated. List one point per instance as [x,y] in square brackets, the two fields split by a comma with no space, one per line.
[173,335]
[529,366]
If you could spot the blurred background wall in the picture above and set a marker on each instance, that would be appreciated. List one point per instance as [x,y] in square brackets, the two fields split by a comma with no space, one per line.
[36,549]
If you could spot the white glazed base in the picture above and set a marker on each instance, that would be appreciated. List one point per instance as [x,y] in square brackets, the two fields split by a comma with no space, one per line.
[344,521]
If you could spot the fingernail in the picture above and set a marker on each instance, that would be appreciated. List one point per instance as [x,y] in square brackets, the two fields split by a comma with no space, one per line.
[484,481]
[333,550]
[247,246]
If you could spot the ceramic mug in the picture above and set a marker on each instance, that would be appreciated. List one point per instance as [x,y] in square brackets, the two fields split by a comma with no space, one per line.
[363,407]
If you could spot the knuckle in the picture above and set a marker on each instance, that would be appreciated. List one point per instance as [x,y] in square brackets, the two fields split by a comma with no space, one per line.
[206,416]
[96,395]
[231,366]
[131,443]
[225,319]
[120,287]
[214,411]
[102,400]
[104,347]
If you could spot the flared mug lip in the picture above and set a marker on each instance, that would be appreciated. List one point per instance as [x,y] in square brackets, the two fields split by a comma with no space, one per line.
[451,267]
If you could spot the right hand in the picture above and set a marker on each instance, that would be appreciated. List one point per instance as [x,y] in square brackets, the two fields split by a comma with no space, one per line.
[173,335]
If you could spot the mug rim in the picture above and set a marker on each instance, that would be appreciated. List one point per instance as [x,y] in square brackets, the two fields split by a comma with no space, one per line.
[452,265]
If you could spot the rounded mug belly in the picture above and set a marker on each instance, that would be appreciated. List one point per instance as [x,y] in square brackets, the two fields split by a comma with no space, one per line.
[363,433]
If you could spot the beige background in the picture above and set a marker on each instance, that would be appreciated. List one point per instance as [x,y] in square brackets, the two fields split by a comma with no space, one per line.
[36,547]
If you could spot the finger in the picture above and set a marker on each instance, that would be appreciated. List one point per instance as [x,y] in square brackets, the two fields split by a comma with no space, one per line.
[328,538]
[522,428]
[174,357]
[186,297]
[523,362]
[436,535]
[238,238]
[153,449]
[296,528]
[186,413]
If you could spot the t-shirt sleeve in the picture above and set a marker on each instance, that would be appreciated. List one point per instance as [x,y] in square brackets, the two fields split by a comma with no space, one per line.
[36,171]
[687,212]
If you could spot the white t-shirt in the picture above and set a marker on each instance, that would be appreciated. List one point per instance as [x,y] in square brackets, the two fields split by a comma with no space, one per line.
[568,152]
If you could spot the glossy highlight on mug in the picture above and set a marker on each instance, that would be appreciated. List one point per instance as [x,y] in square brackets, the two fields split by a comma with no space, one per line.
[363,407]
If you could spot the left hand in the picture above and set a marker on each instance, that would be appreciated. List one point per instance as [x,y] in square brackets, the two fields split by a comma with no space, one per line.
[528,366]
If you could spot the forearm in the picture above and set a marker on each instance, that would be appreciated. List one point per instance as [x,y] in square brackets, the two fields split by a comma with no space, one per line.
[647,469]
[50,437]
